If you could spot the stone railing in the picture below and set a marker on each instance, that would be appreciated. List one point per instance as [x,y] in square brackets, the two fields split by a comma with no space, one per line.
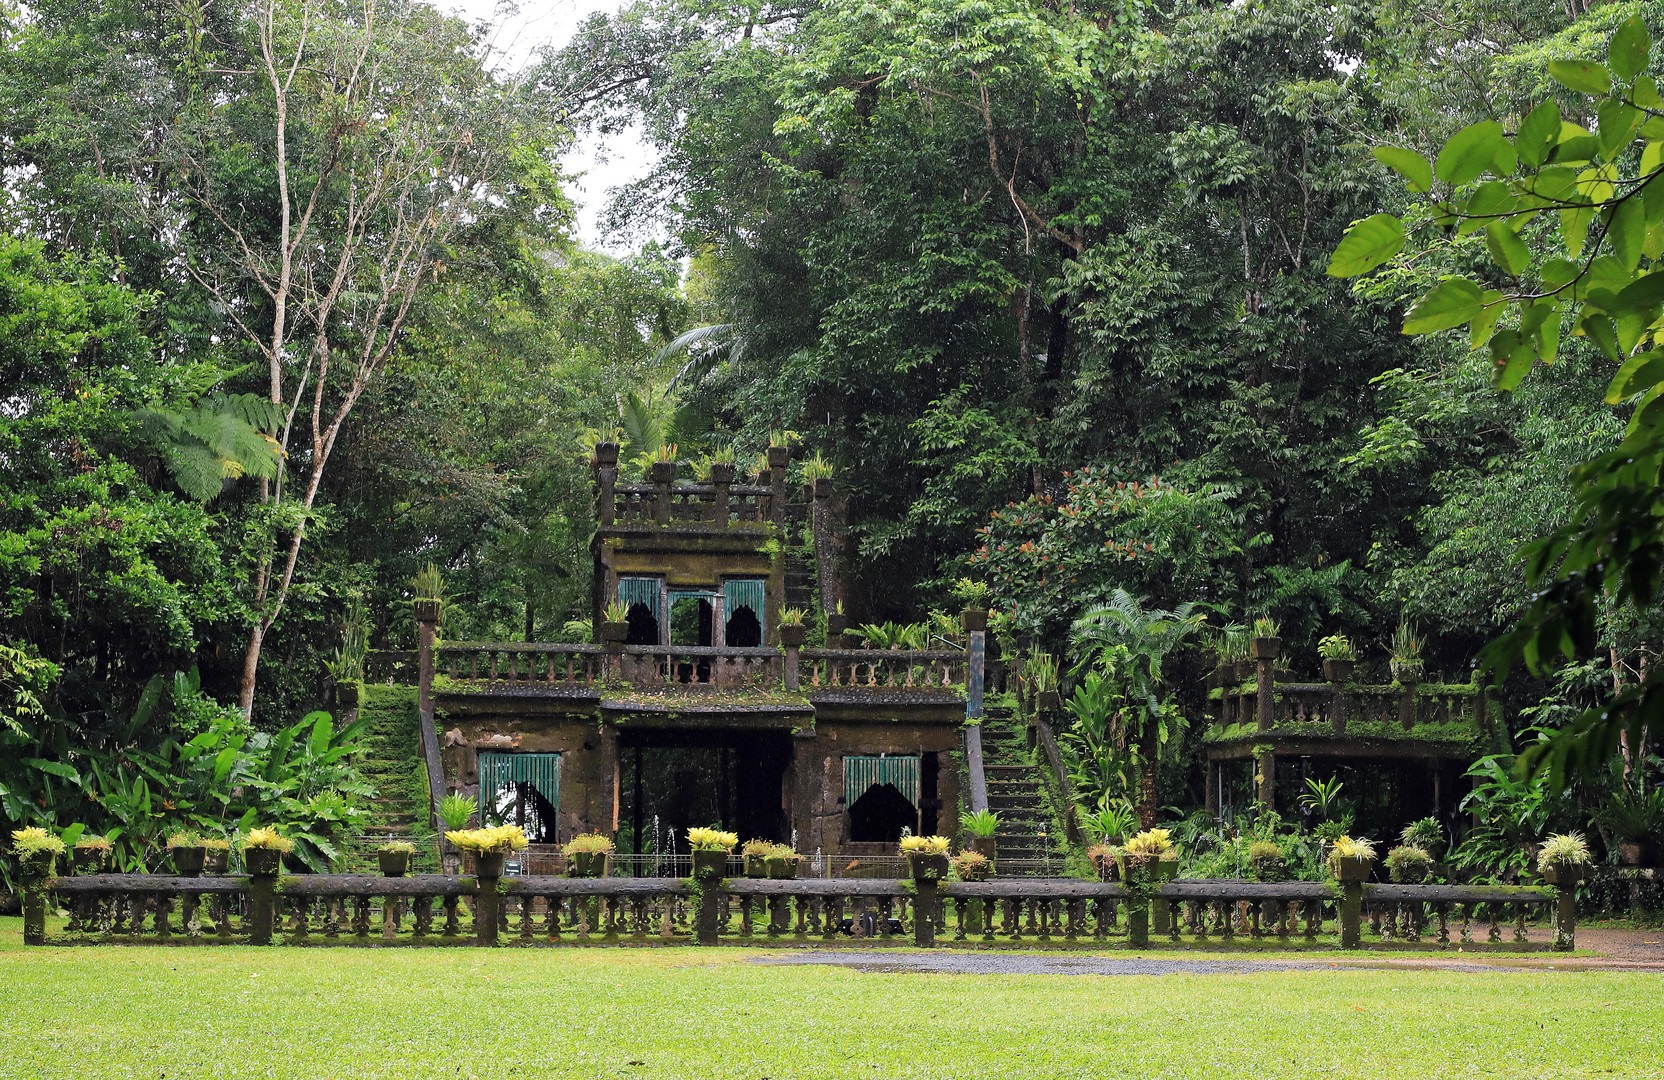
[451,909]
[716,504]
[882,669]
[521,663]
[679,665]
[1336,705]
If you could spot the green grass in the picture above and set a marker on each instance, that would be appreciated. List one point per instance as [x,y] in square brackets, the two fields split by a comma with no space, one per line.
[685,1013]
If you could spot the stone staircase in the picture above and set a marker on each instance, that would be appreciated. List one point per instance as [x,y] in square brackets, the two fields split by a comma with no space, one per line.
[1015,795]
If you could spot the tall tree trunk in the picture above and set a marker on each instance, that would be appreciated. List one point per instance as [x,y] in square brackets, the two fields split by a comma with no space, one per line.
[1147,775]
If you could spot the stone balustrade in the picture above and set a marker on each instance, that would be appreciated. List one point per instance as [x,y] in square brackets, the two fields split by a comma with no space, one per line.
[535,909]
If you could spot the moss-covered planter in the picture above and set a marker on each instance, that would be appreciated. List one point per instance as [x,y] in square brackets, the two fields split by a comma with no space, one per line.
[216,861]
[426,610]
[782,867]
[1564,876]
[823,488]
[661,472]
[91,860]
[1267,648]
[974,619]
[1109,868]
[756,866]
[709,865]
[615,631]
[187,861]
[1048,701]
[393,863]
[792,637]
[489,864]
[263,862]
[1161,870]
[722,472]
[928,868]
[1339,671]
[346,695]
[986,846]
[588,864]
[1350,868]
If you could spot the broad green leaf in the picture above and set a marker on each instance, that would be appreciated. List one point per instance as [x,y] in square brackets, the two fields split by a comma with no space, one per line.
[1617,126]
[1469,153]
[1651,156]
[1652,198]
[1645,292]
[1557,182]
[1640,372]
[1577,149]
[1557,273]
[1647,411]
[1489,199]
[1367,245]
[1630,327]
[1539,131]
[1627,229]
[1574,228]
[1627,52]
[1417,174]
[1653,246]
[1507,249]
[1452,302]
[1584,76]
[1512,356]
[1479,331]
[1596,184]
[1646,94]
[1548,334]
[56,768]
[1598,329]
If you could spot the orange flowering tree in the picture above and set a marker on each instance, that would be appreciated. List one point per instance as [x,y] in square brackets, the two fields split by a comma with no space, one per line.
[1051,556]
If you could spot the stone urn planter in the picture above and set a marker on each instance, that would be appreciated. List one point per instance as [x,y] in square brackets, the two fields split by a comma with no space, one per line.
[791,636]
[836,624]
[216,860]
[1351,868]
[263,862]
[756,866]
[1267,648]
[1408,672]
[1161,870]
[589,864]
[1108,868]
[782,867]
[662,472]
[90,860]
[187,861]
[346,695]
[1339,671]
[1564,875]
[986,846]
[823,488]
[426,610]
[722,472]
[606,454]
[393,863]
[709,865]
[1048,701]
[1638,852]
[615,631]
[928,868]
[974,619]
[489,864]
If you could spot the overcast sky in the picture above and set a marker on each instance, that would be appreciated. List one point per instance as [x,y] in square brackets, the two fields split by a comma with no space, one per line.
[521,32]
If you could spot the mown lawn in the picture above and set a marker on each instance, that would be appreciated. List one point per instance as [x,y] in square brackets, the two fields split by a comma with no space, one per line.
[683,1013]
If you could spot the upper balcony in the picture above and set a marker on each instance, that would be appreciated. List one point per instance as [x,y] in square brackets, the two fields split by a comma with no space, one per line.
[715,505]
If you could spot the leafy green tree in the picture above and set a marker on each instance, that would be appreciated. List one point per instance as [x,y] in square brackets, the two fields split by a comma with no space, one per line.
[1572,219]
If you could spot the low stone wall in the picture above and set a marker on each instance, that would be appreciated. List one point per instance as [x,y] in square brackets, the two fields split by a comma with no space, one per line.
[446,909]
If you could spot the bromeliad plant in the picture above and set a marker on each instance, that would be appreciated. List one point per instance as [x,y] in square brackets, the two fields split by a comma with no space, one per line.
[924,845]
[979,823]
[36,850]
[1266,861]
[1563,851]
[972,866]
[1337,647]
[589,844]
[1409,865]
[496,840]
[455,810]
[704,839]
[266,839]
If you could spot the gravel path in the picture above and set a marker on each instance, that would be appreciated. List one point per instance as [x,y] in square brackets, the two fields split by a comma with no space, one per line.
[1034,964]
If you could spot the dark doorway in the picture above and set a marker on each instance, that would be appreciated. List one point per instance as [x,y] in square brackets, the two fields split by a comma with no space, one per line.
[644,628]
[730,779]
[521,804]
[743,630]
[880,814]
[690,621]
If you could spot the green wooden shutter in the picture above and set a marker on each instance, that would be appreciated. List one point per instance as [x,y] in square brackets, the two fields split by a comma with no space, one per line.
[641,591]
[497,771]
[864,773]
[744,592]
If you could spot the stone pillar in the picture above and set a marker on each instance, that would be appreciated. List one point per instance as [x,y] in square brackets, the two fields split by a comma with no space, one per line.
[1265,764]
[262,894]
[606,476]
[1565,915]
[976,629]
[1351,913]
[487,903]
[34,913]
[924,912]
[778,456]
[1407,705]
[427,630]
[1266,651]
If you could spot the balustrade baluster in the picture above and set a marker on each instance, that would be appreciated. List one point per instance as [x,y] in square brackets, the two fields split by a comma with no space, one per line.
[1495,932]
[361,916]
[1519,923]
[164,908]
[423,908]
[452,921]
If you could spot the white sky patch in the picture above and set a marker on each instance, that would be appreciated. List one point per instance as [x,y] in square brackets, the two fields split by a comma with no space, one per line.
[622,159]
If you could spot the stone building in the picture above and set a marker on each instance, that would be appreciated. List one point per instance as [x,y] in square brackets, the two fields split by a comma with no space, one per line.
[700,707]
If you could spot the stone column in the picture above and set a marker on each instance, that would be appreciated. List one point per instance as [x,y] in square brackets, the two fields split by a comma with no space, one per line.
[427,630]
[262,894]
[1266,651]
[1351,913]
[976,629]
[606,475]
[1265,764]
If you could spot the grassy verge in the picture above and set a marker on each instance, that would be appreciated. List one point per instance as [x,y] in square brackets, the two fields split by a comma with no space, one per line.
[684,1013]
